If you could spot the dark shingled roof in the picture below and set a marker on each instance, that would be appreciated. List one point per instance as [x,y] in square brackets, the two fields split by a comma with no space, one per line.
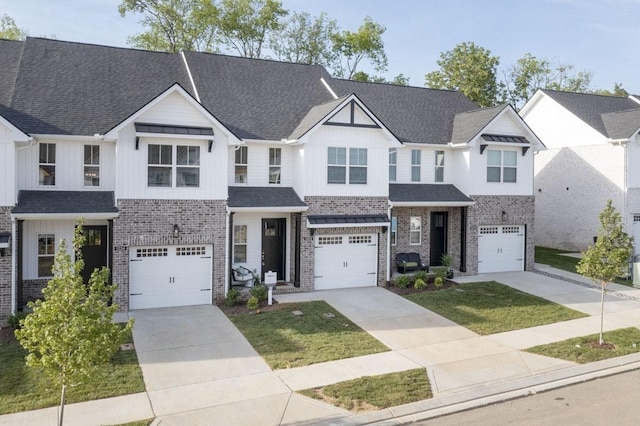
[9,63]
[82,89]
[407,192]
[623,124]
[255,98]
[61,202]
[468,124]
[256,196]
[347,219]
[413,114]
[590,108]
[314,116]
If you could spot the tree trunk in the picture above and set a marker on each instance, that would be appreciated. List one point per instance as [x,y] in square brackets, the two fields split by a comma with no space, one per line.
[601,312]
[61,411]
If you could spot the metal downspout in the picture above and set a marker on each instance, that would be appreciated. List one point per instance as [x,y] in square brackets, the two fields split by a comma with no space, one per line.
[226,252]
[14,265]
[389,244]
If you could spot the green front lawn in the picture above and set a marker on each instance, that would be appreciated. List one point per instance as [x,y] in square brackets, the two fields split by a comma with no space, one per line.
[554,258]
[286,340]
[25,388]
[582,349]
[491,307]
[375,392]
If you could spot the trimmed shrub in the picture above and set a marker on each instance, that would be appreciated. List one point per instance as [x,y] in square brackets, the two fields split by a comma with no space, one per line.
[438,281]
[14,320]
[260,292]
[421,275]
[232,298]
[403,281]
[420,284]
[253,303]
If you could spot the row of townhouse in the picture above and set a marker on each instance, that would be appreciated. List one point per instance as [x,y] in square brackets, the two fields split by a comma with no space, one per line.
[185,166]
[593,154]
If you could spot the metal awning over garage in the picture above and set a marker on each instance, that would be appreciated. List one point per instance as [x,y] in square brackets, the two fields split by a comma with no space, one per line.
[427,195]
[65,205]
[346,221]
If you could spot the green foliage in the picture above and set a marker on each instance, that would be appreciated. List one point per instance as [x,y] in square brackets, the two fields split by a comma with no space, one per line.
[15,319]
[618,90]
[71,331]
[420,284]
[174,25]
[446,260]
[438,281]
[260,292]
[233,297]
[440,272]
[609,257]
[403,281]
[421,275]
[305,40]
[470,69]
[253,303]
[9,30]
[244,25]
[351,48]
[529,74]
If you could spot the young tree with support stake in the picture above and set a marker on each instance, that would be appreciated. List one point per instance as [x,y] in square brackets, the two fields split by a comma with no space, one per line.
[609,257]
[71,331]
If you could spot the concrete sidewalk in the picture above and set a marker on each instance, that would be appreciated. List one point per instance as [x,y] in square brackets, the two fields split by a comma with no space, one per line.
[200,370]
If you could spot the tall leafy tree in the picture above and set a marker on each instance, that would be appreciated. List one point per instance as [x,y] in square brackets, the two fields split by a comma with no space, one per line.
[618,90]
[174,25]
[470,69]
[530,73]
[245,25]
[609,256]
[304,39]
[71,331]
[398,80]
[351,48]
[9,30]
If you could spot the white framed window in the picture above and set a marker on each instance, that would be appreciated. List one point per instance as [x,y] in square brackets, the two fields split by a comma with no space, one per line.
[393,164]
[275,166]
[358,166]
[241,164]
[439,171]
[160,170]
[239,243]
[415,230]
[47,164]
[92,165]
[501,166]
[46,254]
[188,166]
[394,230]
[337,165]
[416,160]
[160,166]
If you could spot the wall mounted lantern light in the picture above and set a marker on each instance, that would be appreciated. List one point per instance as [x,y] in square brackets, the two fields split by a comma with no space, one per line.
[176,231]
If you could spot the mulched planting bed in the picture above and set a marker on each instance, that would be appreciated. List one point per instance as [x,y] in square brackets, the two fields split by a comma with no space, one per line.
[412,290]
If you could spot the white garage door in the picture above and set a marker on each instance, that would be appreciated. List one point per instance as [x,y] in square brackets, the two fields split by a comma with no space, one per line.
[169,276]
[343,261]
[500,248]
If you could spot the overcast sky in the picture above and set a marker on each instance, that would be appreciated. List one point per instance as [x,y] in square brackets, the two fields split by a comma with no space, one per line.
[598,36]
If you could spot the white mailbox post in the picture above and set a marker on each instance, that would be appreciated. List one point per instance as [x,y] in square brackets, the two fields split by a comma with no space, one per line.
[270,279]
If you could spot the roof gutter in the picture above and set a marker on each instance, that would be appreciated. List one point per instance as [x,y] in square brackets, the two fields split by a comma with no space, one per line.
[431,203]
[292,209]
[618,141]
[63,216]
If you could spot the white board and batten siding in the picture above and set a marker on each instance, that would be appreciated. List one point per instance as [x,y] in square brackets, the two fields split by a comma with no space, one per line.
[427,164]
[345,261]
[69,165]
[258,165]
[315,167]
[166,276]
[501,248]
[61,229]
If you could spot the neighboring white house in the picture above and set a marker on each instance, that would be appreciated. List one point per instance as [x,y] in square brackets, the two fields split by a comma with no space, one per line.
[592,155]
[186,167]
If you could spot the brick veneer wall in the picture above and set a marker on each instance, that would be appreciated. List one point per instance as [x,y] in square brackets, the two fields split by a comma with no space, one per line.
[5,268]
[519,210]
[404,214]
[340,206]
[150,223]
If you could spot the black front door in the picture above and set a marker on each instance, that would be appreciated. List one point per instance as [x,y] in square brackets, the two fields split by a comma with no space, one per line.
[273,246]
[438,240]
[95,250]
